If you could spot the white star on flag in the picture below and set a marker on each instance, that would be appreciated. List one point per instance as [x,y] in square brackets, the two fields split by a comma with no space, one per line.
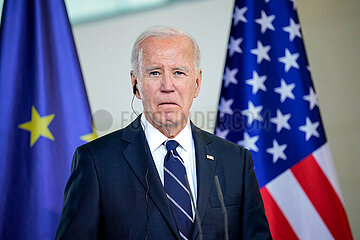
[234,46]
[310,129]
[312,98]
[229,76]
[257,82]
[289,60]
[253,113]
[265,22]
[249,142]
[285,90]
[261,52]
[239,15]
[222,133]
[224,107]
[293,29]
[277,151]
[281,121]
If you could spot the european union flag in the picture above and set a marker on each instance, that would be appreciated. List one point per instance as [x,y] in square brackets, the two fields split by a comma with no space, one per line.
[44,115]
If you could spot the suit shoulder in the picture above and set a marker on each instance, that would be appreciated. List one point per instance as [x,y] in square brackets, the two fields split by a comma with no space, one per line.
[113,141]
[110,138]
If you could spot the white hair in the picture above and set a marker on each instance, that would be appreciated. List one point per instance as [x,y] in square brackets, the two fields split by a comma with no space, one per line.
[162,32]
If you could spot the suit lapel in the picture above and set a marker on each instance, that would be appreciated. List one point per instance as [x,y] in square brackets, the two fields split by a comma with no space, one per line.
[139,158]
[205,169]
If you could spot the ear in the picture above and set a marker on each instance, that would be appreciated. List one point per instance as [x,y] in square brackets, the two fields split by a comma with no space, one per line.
[134,83]
[198,83]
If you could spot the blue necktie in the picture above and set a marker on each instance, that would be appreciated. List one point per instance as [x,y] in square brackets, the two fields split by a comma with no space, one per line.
[176,190]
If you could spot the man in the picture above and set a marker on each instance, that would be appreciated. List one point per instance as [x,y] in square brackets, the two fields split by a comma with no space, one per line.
[131,184]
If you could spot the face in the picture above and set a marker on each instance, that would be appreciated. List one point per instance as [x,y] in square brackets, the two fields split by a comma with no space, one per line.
[167,82]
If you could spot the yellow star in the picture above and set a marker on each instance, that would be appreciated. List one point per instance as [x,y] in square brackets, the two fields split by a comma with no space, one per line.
[38,126]
[89,137]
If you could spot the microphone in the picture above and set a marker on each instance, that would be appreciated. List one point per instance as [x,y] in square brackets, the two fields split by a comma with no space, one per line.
[197,216]
[223,208]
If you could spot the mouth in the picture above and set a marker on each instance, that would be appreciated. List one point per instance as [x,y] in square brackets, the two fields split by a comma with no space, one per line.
[167,104]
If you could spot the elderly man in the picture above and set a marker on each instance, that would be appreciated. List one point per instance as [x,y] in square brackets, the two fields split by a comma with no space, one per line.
[131,183]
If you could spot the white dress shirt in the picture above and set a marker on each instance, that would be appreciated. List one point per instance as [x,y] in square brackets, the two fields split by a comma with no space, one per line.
[186,150]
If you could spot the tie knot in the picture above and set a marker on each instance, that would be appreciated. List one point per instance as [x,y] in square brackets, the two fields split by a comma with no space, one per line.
[171,145]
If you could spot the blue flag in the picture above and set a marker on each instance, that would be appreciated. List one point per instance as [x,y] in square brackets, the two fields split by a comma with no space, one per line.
[268,105]
[45,114]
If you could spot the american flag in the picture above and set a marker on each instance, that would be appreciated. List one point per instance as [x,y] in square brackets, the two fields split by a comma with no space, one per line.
[268,105]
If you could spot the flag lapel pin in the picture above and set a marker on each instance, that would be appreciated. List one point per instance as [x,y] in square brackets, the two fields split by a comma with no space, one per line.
[211,157]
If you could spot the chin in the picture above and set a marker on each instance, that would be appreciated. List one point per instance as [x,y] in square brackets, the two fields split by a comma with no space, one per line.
[171,118]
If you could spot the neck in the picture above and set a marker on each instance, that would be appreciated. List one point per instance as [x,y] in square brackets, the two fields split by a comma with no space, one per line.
[170,130]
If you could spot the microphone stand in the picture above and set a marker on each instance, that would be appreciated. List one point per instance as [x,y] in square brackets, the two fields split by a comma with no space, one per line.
[223,208]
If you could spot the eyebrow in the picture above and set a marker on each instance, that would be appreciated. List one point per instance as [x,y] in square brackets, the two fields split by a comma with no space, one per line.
[149,69]
[184,69]
[152,68]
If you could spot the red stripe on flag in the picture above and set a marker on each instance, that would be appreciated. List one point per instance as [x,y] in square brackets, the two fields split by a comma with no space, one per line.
[323,196]
[279,226]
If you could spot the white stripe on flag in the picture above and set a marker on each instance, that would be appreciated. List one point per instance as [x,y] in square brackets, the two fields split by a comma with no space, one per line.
[323,157]
[297,208]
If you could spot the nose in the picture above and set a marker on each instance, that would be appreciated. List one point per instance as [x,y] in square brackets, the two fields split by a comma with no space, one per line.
[167,83]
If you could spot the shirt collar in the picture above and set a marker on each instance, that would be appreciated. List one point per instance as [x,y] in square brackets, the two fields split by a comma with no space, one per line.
[155,138]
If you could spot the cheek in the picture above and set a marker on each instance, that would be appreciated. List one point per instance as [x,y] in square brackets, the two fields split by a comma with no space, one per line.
[190,95]
[146,90]
[192,91]
[148,94]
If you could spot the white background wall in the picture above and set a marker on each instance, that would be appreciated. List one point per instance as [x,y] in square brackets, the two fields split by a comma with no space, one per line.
[331,30]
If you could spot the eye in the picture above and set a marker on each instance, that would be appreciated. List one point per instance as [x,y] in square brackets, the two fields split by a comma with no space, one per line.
[154,73]
[179,73]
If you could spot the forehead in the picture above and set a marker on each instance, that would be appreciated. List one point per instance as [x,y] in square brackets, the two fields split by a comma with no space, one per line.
[166,46]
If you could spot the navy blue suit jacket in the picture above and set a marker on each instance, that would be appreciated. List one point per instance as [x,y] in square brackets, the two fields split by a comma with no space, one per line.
[105,196]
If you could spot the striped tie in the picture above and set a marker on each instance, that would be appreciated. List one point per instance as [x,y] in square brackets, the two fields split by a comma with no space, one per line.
[176,190]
